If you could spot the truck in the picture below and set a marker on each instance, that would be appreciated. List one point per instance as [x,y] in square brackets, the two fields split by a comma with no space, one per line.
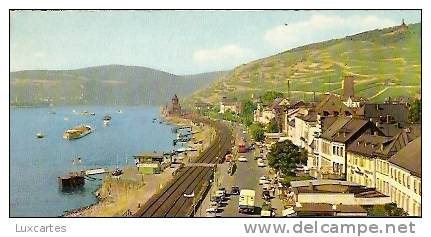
[246,201]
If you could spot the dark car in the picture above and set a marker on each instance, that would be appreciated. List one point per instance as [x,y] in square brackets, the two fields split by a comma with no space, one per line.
[234,190]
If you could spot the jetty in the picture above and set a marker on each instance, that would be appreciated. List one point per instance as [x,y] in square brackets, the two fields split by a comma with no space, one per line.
[77,179]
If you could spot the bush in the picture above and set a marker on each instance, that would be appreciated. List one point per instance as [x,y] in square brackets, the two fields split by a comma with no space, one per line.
[257,132]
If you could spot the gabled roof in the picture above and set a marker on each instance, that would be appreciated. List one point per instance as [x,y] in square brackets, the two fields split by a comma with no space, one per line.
[277,103]
[311,116]
[332,103]
[398,111]
[382,146]
[399,141]
[368,144]
[344,128]
[410,157]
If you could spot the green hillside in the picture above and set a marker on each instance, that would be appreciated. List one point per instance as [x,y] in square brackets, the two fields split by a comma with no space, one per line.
[385,63]
[102,85]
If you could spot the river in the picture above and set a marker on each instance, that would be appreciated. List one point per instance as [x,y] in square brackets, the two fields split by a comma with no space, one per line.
[35,163]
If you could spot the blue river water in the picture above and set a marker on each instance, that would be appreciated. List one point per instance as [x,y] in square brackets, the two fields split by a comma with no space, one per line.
[35,163]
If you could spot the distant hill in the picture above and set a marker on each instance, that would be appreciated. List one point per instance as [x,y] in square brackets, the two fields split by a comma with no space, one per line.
[103,85]
[385,62]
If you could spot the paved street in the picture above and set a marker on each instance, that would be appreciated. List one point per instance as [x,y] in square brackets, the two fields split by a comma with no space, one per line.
[245,177]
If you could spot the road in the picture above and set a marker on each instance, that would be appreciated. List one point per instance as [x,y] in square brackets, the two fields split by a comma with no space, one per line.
[170,201]
[245,177]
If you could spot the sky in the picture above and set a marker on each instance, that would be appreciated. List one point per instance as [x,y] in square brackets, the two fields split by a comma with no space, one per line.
[179,42]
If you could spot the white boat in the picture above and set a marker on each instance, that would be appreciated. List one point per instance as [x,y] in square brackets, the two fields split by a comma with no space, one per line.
[95,171]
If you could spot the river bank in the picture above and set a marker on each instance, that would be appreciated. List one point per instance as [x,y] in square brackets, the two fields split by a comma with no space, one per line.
[124,196]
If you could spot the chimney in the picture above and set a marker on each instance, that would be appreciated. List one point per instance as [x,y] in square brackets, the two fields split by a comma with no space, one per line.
[381,147]
[387,118]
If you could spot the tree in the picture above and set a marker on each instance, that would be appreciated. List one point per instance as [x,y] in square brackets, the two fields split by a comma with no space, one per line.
[247,112]
[270,96]
[415,111]
[284,156]
[257,132]
[272,126]
[248,107]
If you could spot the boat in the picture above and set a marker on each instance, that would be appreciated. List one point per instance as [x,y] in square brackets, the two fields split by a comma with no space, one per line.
[106,119]
[117,172]
[52,112]
[77,132]
[119,111]
[39,135]
[86,113]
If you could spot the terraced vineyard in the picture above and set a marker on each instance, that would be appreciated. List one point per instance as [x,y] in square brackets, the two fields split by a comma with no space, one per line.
[385,63]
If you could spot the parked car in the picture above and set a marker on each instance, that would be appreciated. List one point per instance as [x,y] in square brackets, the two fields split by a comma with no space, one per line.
[235,190]
[263,180]
[260,163]
[221,191]
[212,210]
[242,159]
[302,168]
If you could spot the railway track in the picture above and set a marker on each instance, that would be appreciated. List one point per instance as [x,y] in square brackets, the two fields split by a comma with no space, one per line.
[170,201]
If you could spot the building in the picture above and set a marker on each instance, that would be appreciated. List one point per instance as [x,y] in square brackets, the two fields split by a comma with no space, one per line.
[389,112]
[173,108]
[332,105]
[337,192]
[335,139]
[326,209]
[229,106]
[152,163]
[273,111]
[389,164]
[400,177]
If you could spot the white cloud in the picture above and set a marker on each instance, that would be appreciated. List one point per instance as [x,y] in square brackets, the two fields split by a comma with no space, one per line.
[321,27]
[227,54]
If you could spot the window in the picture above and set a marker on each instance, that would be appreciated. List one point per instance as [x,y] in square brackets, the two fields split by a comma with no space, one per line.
[333,150]
[341,151]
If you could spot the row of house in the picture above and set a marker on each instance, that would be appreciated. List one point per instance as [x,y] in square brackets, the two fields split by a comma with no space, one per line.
[350,139]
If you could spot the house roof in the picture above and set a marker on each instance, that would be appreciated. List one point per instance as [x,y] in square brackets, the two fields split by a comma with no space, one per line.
[343,129]
[368,144]
[311,116]
[410,157]
[332,103]
[327,207]
[398,111]
[399,141]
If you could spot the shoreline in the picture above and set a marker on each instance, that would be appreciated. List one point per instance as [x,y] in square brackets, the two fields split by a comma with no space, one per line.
[124,196]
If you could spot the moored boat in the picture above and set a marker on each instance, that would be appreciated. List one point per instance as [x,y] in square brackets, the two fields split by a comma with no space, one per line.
[77,132]
[39,135]
[106,119]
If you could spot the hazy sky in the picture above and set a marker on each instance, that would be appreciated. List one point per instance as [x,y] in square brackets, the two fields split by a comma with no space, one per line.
[180,42]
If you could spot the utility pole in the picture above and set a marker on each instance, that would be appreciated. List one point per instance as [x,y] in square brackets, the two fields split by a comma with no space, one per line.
[288,89]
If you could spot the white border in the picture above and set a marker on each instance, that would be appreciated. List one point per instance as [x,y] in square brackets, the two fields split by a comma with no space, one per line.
[191,227]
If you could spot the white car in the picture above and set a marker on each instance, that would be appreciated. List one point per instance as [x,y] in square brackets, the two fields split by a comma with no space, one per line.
[260,163]
[212,210]
[242,159]
[263,180]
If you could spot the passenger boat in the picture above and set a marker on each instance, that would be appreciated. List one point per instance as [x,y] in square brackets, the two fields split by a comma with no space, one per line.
[106,119]
[77,132]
